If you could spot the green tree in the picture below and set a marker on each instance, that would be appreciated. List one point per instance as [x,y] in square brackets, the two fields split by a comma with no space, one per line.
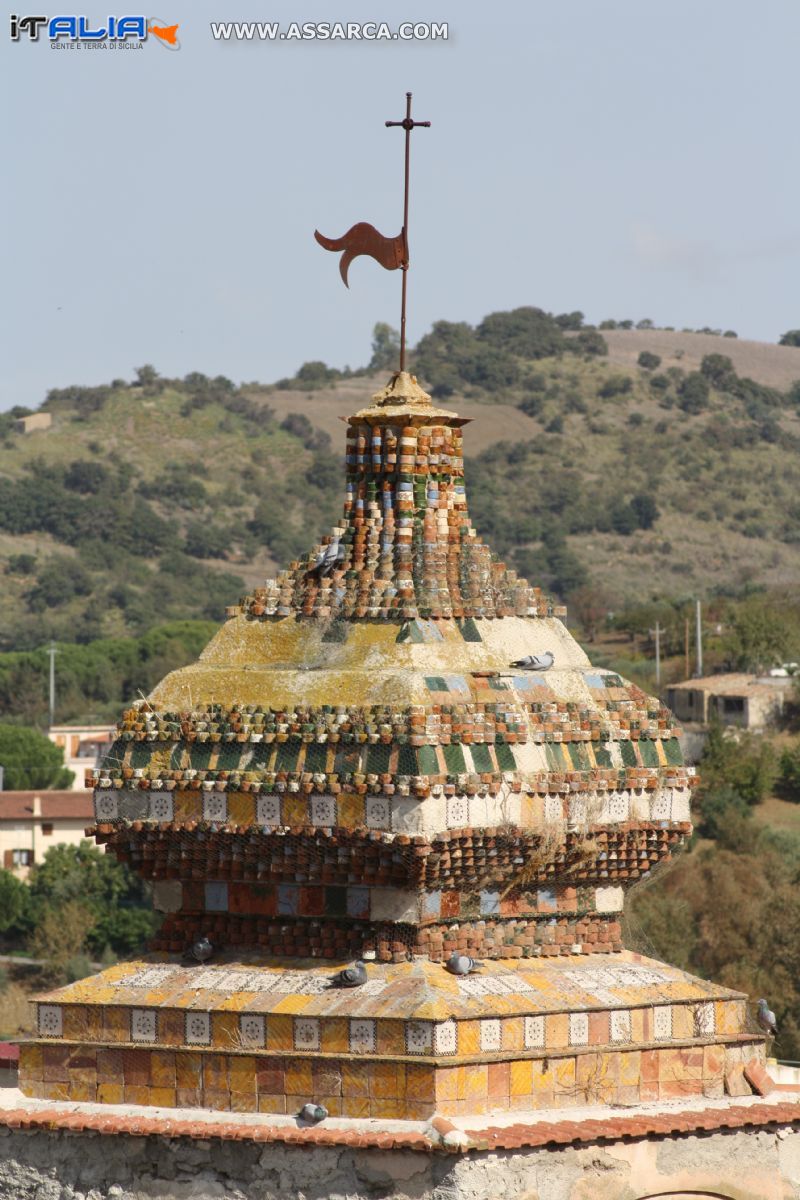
[60,937]
[693,393]
[615,385]
[790,338]
[589,341]
[648,361]
[385,347]
[760,633]
[115,899]
[646,510]
[746,765]
[13,900]
[31,760]
[719,370]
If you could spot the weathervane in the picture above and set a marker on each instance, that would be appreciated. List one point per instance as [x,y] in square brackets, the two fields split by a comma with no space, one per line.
[391,253]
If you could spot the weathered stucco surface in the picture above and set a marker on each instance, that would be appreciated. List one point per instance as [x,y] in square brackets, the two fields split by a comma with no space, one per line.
[58,1165]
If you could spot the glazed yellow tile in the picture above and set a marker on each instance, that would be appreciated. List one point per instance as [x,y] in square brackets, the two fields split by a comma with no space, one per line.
[541,1079]
[630,1067]
[355,1106]
[117,1025]
[477,1082]
[163,1097]
[110,1093]
[244,1102]
[637,1025]
[563,1071]
[224,1030]
[236,1001]
[279,1033]
[272,1104]
[469,1037]
[82,1091]
[556,1030]
[447,1084]
[295,810]
[682,1022]
[391,1082]
[292,1004]
[390,1037]
[355,1078]
[335,1035]
[299,1078]
[186,804]
[242,1073]
[350,810]
[729,1017]
[136,1094]
[31,1056]
[387,1109]
[241,808]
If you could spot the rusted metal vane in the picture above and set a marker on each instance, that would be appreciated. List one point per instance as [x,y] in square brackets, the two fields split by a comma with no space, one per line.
[391,253]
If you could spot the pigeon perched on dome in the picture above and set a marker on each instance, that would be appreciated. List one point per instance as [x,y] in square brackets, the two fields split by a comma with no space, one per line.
[313,1113]
[535,662]
[352,976]
[200,951]
[766,1018]
[328,557]
[461,964]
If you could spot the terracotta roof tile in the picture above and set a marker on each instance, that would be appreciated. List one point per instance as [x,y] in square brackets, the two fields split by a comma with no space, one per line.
[65,806]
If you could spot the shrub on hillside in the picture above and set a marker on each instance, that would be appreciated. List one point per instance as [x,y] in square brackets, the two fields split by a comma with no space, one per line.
[790,338]
[693,393]
[649,361]
[589,342]
[718,369]
[615,385]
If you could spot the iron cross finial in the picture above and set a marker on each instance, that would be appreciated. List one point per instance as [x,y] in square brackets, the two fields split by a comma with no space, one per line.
[408,123]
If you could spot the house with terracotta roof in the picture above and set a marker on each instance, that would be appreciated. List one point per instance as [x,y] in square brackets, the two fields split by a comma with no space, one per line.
[747,701]
[32,822]
[83,747]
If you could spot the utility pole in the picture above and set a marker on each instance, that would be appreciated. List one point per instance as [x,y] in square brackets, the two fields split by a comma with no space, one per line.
[657,633]
[53,651]
[699,640]
[686,648]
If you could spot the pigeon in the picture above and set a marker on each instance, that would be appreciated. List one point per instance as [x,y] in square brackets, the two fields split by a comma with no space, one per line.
[200,951]
[327,558]
[313,1113]
[461,964]
[535,662]
[766,1018]
[351,976]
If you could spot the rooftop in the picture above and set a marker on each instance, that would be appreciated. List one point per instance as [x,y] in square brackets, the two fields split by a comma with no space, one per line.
[55,806]
[735,684]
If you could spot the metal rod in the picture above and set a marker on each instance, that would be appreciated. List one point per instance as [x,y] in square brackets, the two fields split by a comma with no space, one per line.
[407,124]
[699,640]
[53,651]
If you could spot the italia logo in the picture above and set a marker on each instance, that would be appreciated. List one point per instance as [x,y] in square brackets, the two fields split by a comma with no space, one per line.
[82,29]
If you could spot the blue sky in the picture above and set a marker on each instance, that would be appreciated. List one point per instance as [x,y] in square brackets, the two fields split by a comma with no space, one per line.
[630,159]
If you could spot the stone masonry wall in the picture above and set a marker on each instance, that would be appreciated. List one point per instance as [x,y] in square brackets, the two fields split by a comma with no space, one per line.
[59,1165]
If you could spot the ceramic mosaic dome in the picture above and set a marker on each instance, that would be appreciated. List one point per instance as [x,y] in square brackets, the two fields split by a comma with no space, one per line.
[355,769]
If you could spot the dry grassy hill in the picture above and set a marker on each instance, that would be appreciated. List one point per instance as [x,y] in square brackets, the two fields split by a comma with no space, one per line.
[160,502]
[775,366]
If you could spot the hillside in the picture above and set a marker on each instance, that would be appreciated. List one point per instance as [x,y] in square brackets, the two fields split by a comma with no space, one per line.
[163,499]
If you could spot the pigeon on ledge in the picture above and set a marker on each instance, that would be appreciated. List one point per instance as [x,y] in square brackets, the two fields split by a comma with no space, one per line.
[327,558]
[766,1018]
[313,1113]
[351,976]
[535,662]
[199,951]
[461,964]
